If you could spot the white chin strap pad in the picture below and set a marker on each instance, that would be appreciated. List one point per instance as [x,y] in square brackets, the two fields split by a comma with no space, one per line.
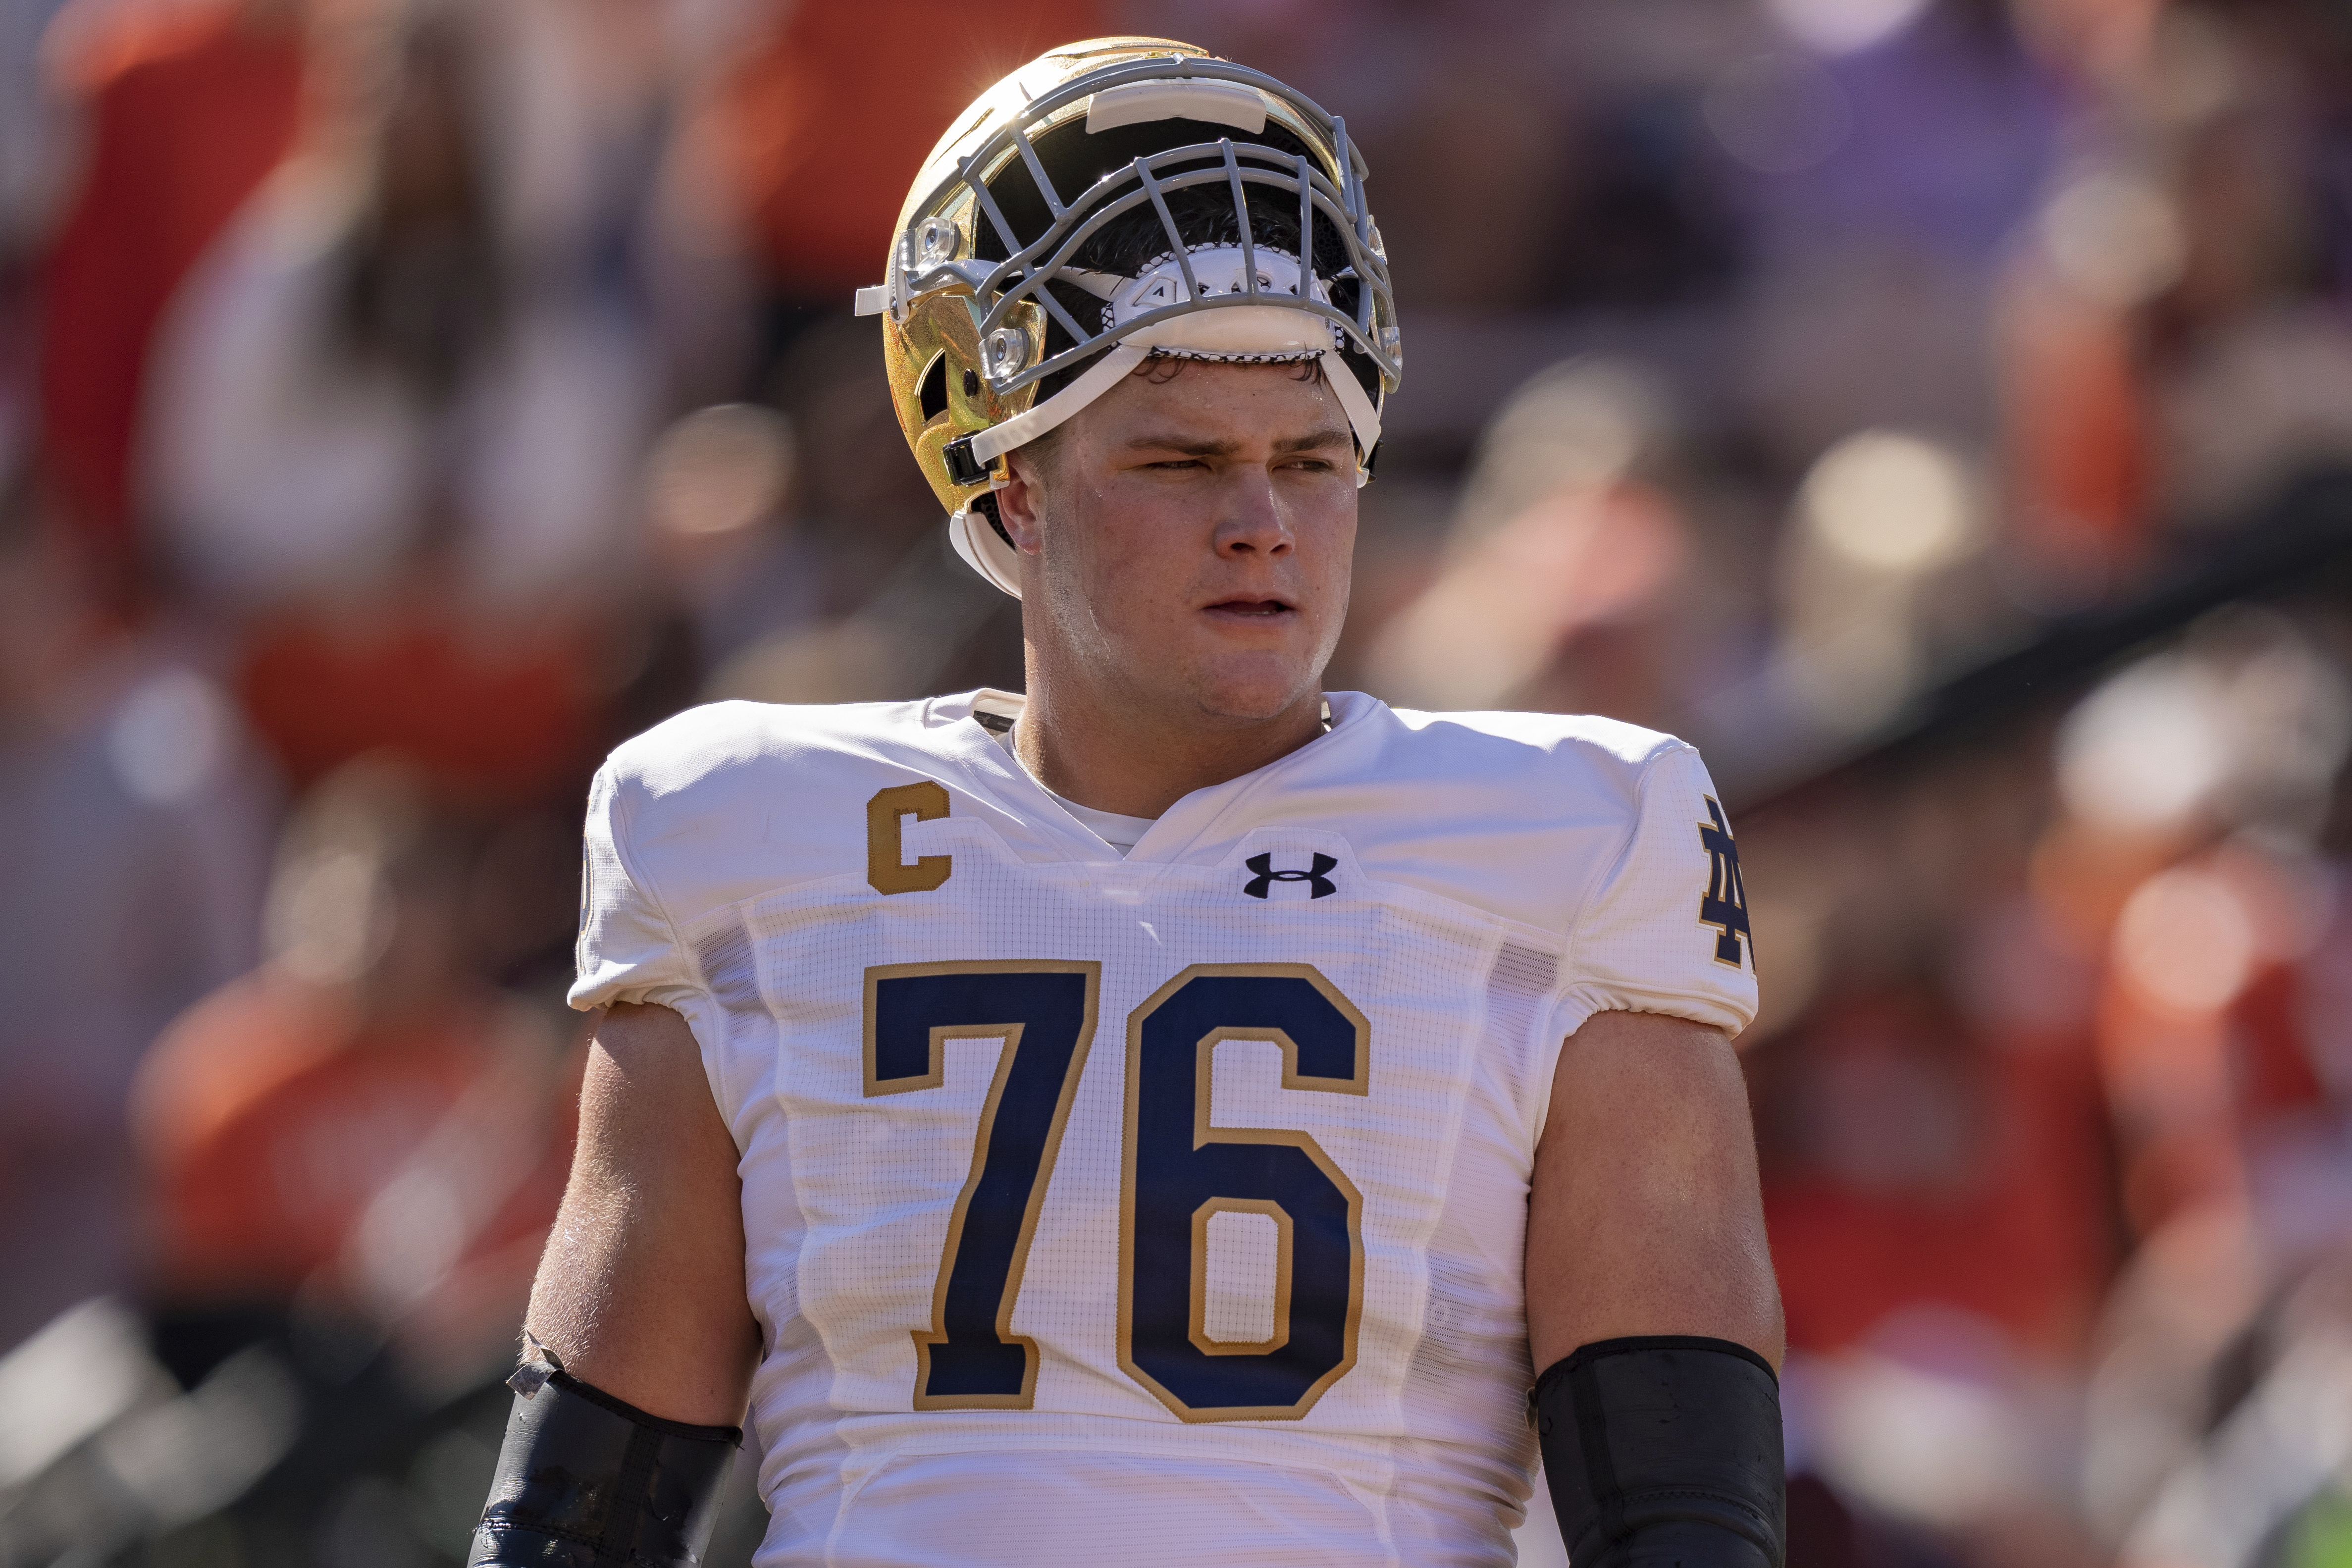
[984,551]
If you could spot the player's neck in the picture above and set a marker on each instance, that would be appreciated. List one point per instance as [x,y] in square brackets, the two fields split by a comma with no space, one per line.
[1114,754]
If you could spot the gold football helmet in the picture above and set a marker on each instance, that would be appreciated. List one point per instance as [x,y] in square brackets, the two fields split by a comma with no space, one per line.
[1109,201]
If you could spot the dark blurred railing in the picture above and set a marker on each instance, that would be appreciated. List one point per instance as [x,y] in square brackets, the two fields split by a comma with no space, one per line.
[2300,541]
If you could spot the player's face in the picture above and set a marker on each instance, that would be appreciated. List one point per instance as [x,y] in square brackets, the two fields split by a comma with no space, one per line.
[1187,541]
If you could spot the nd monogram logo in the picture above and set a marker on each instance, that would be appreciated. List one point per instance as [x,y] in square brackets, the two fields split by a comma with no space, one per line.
[1267,875]
[1725,904]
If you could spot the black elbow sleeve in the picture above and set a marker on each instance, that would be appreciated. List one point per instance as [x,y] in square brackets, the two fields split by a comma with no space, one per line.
[1664,1453]
[584,1481]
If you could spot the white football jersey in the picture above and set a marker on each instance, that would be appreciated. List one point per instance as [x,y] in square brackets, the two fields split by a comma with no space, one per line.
[1160,1209]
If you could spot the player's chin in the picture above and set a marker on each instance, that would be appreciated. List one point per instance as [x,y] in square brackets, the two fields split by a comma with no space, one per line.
[1251,684]
[1253,645]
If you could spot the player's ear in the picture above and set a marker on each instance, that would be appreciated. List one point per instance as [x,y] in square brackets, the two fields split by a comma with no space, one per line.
[1020,504]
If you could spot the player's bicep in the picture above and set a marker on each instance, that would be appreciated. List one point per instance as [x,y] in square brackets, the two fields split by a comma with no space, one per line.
[1644,1217]
[641,1291]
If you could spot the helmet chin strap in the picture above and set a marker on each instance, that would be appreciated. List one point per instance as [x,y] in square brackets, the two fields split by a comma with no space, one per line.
[984,551]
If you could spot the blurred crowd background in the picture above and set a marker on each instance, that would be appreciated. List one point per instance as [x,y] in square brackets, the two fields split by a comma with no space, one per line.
[1937,410]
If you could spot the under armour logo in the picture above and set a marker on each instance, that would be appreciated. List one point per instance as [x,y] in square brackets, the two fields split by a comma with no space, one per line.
[1724,903]
[1267,875]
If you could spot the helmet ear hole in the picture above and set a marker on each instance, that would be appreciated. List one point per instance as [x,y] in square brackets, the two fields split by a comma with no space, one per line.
[934,393]
[971,384]
[986,507]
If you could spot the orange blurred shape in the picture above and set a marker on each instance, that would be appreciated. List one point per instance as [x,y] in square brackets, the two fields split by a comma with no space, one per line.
[2099,39]
[2081,876]
[2275,1071]
[1987,1192]
[2074,428]
[2200,1031]
[270,1118]
[189,108]
[825,124]
[505,713]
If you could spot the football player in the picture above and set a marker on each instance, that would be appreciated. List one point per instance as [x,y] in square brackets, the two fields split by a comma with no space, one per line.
[1169,1117]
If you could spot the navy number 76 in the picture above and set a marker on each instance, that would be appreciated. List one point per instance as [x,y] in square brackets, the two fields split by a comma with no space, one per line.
[1180,1169]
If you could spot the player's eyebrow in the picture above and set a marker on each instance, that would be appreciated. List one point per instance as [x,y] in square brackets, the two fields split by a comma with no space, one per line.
[1315,440]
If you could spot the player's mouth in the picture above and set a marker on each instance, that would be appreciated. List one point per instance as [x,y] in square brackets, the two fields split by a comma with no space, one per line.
[1256,610]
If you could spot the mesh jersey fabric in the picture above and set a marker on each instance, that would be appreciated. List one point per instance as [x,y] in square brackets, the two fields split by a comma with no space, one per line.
[1466,889]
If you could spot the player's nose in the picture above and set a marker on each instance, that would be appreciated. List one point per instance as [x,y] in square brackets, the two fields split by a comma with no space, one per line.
[1253,522]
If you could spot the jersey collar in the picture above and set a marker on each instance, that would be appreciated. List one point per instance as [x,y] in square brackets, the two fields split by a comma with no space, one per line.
[1200,822]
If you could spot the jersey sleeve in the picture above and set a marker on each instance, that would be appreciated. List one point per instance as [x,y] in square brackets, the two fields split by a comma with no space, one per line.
[1664,927]
[628,949]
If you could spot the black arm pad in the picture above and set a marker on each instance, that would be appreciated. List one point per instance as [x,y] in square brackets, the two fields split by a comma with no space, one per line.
[585,1479]
[1664,1451]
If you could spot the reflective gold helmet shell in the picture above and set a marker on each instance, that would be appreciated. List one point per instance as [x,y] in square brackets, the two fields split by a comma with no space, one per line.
[1008,202]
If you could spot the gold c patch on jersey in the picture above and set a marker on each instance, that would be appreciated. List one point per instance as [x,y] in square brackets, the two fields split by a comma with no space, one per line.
[886,867]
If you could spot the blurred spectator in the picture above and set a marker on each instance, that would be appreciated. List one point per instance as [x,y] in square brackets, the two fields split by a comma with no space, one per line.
[352,1155]
[2069,1006]
[131,817]
[1882,585]
[1570,581]
[895,612]
[829,112]
[362,1126]
[1922,1166]
[189,108]
[396,420]
[2076,416]
[734,565]
[2274,1479]
[1883,156]
[717,484]
[1483,138]
[2251,346]
[1881,334]
[2224,1065]
[2195,782]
